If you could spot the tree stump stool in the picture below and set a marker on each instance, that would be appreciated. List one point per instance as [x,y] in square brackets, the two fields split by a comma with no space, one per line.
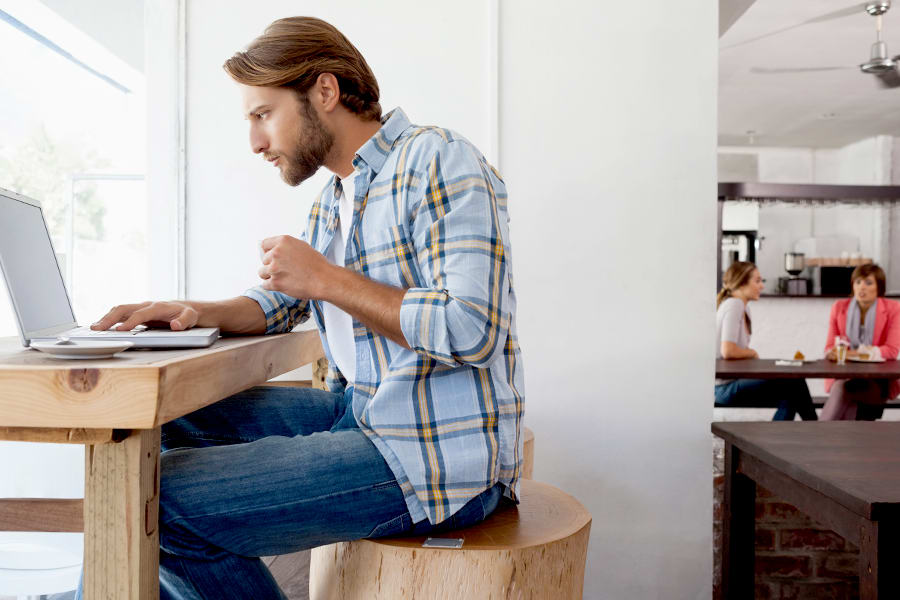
[534,550]
[528,454]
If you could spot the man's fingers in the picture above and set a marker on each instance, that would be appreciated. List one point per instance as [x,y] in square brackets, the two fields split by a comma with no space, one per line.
[185,319]
[263,273]
[138,317]
[153,311]
[270,242]
[117,314]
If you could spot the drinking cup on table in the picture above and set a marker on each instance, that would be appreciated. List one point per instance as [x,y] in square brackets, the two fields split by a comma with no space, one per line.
[840,350]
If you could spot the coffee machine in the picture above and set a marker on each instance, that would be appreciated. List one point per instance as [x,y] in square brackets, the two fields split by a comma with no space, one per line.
[737,246]
[794,285]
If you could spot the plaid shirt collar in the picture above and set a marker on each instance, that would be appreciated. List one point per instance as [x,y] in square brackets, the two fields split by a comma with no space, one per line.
[374,152]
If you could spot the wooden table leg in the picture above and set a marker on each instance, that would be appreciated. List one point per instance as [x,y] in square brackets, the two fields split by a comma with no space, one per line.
[121,514]
[738,537]
[878,544]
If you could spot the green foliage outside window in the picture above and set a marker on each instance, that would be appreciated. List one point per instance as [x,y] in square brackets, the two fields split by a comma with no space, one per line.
[41,168]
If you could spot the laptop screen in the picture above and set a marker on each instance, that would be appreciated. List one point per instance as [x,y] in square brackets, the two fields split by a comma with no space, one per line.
[30,268]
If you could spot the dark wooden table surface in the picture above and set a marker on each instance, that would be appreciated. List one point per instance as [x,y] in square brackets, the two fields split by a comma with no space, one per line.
[844,474]
[765,368]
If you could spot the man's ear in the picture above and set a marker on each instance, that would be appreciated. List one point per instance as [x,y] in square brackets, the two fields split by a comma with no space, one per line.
[327,92]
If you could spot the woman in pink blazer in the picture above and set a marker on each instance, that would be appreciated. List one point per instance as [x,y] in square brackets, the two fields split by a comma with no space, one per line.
[871,323]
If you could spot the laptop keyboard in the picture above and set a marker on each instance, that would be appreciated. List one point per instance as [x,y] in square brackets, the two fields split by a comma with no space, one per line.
[88,332]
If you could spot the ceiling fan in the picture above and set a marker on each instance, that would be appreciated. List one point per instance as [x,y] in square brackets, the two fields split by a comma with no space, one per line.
[884,67]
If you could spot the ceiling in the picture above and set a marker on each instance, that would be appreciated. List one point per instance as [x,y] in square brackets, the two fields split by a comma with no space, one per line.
[818,109]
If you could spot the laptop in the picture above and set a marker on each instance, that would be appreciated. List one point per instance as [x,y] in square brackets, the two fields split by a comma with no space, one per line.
[38,293]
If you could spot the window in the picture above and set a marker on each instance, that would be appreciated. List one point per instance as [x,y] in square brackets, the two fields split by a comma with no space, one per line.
[73,137]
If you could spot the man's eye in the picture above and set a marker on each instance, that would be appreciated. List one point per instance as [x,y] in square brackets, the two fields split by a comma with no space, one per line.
[260,115]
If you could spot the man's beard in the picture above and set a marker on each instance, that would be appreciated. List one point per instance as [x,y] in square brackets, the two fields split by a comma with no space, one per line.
[311,152]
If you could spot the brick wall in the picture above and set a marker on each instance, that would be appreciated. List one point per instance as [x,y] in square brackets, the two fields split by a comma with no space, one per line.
[796,558]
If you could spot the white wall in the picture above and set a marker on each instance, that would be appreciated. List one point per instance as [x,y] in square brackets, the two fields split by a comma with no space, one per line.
[613,224]
[611,175]
[782,326]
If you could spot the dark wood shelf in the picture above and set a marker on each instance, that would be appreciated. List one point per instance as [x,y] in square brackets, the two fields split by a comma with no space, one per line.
[801,192]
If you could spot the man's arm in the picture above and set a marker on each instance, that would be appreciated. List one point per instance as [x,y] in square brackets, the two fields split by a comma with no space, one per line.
[236,315]
[374,304]
[293,267]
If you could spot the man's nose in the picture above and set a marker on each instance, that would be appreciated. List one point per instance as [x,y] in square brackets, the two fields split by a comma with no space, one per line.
[258,142]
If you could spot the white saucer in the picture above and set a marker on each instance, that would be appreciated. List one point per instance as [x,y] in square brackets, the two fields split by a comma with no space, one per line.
[85,349]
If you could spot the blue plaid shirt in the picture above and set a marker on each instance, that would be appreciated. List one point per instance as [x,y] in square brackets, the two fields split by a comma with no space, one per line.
[430,217]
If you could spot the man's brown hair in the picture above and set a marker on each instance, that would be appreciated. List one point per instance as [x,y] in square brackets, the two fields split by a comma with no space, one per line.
[863,271]
[293,52]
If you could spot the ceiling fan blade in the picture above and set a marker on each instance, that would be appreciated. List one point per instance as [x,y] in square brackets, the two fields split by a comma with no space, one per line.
[837,14]
[889,79]
[767,71]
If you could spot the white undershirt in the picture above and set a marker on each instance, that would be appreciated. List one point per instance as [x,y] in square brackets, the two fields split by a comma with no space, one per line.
[338,324]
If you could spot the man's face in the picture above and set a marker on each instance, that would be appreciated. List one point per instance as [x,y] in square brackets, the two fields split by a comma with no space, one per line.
[286,131]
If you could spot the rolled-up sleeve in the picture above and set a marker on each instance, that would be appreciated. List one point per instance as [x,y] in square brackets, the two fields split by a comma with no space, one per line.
[283,312]
[460,233]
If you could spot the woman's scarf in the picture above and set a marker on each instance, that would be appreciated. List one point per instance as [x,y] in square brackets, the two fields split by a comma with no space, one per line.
[865,334]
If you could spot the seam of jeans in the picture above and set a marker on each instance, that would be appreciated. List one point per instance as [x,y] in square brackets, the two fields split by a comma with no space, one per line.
[238,512]
[483,509]
[386,523]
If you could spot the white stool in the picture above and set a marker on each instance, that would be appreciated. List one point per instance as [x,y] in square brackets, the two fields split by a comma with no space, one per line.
[39,563]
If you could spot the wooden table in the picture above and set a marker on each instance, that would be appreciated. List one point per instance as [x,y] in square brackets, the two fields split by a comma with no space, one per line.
[844,474]
[762,368]
[115,407]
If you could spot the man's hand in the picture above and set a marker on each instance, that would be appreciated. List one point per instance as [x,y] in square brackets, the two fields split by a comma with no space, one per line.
[177,315]
[293,267]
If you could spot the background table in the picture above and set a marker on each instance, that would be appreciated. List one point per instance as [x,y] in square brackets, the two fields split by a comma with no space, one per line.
[844,474]
[116,407]
[763,368]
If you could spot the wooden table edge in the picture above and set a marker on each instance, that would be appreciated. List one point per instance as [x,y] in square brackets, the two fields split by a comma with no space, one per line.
[853,504]
[164,390]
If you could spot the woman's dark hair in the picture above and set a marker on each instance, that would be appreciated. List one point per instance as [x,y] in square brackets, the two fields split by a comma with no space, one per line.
[863,271]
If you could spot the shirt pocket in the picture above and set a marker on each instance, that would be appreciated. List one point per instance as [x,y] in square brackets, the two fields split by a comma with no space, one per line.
[389,257]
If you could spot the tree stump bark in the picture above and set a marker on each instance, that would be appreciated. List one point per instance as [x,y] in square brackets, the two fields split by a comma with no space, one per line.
[534,550]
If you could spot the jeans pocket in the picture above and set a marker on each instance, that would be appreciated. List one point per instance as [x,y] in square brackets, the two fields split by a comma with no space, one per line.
[393,527]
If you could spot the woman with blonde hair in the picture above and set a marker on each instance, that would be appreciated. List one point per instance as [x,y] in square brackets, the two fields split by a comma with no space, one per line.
[870,325]
[742,284]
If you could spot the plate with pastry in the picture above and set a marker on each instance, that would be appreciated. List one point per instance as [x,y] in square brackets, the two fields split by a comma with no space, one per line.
[865,357]
[865,353]
[798,357]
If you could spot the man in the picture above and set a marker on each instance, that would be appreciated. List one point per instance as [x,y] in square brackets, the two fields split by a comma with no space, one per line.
[405,268]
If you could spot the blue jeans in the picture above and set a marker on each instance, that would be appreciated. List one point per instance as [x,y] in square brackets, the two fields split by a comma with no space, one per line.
[272,471]
[792,396]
